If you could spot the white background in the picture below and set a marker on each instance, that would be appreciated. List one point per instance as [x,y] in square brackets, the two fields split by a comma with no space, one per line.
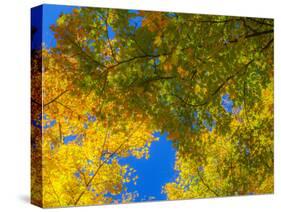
[15,106]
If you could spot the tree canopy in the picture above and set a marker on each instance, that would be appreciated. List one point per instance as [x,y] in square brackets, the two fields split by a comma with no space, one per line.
[116,76]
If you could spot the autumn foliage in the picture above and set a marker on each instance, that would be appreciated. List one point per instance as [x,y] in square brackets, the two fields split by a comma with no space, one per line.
[110,82]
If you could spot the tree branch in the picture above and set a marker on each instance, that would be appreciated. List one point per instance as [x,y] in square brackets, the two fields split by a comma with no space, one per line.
[260,22]
[35,102]
[207,101]
[104,162]
[82,52]
[205,184]
[135,58]
[55,98]
[152,79]
[108,39]
[255,34]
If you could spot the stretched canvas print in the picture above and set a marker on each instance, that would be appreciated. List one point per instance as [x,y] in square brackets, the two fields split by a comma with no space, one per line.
[134,106]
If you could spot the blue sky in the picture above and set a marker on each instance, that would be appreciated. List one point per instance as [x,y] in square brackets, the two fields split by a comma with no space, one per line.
[154,172]
[36,22]
[51,13]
